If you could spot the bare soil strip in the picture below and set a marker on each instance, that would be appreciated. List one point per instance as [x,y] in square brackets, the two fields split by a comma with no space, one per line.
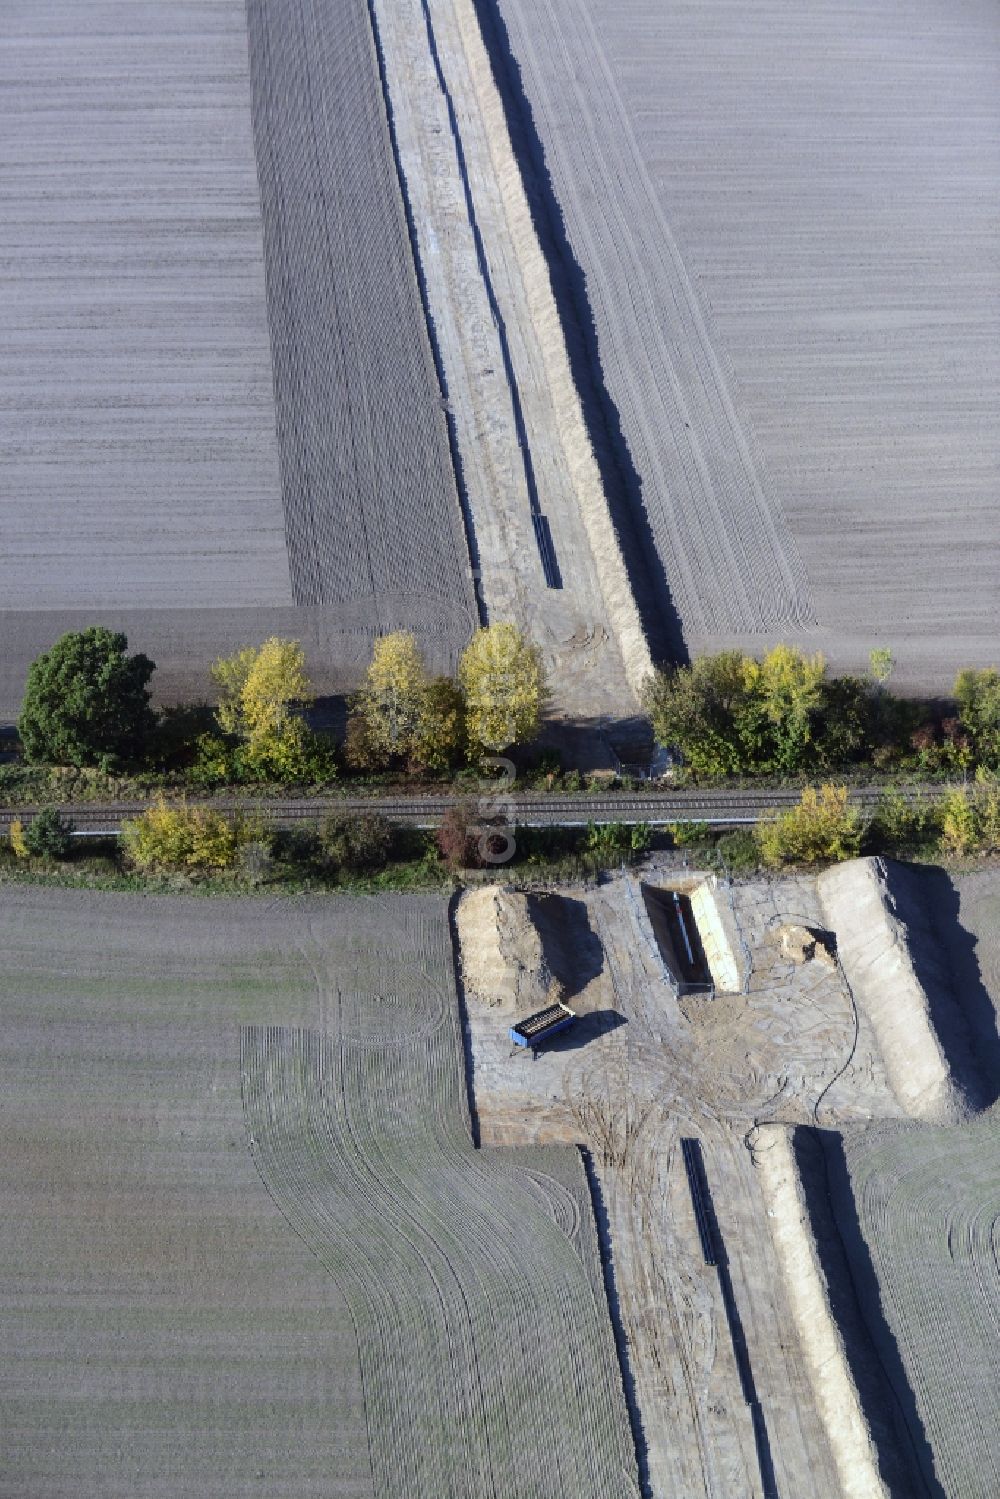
[370,498]
[833,1383]
[522,438]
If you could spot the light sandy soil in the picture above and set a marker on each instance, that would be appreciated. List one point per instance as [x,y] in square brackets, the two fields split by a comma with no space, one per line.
[786,225]
[639,1072]
[900,980]
[522,439]
[859,1245]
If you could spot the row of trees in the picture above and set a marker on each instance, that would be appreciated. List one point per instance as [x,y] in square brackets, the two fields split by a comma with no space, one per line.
[730,714]
[87,703]
[403,716]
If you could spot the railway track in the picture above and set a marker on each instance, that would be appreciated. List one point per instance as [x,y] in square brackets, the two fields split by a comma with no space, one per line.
[720,808]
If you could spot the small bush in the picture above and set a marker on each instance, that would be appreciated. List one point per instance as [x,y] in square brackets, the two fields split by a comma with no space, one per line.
[17,839]
[548,762]
[738,851]
[900,824]
[684,834]
[612,843]
[821,828]
[360,749]
[49,835]
[174,743]
[298,845]
[183,839]
[214,762]
[458,837]
[296,756]
[256,863]
[959,823]
[355,844]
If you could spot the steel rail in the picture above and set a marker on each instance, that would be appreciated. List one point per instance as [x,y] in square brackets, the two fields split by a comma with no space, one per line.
[552,809]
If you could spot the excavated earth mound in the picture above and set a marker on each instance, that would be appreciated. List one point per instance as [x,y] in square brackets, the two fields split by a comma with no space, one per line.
[521,951]
[901,980]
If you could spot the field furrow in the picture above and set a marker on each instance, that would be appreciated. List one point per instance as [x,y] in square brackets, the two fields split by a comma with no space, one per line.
[370,499]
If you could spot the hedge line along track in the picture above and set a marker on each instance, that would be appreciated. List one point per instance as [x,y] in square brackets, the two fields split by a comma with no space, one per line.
[488,1360]
[721,807]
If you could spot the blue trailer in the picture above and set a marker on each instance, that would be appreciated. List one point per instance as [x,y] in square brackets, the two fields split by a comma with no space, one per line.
[542,1025]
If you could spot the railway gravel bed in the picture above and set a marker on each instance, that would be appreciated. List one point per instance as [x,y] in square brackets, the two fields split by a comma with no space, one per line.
[730,808]
[371,504]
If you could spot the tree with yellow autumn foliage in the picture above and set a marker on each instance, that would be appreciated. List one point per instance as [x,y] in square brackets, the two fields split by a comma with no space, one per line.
[186,839]
[391,698]
[263,692]
[503,683]
[822,827]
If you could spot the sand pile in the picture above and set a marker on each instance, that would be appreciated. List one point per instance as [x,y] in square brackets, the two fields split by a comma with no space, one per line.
[504,959]
[900,979]
[803,944]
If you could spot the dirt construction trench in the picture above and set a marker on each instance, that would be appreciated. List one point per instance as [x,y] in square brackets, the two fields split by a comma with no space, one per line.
[720,1366]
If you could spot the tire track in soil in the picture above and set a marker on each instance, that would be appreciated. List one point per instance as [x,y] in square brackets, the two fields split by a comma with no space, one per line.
[730,559]
[473,1307]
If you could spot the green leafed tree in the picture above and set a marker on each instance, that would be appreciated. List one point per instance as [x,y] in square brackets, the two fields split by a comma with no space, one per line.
[86,702]
[702,711]
[784,693]
[978,696]
[730,714]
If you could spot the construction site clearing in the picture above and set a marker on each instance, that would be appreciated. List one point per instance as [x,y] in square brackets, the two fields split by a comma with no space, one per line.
[784,1092]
